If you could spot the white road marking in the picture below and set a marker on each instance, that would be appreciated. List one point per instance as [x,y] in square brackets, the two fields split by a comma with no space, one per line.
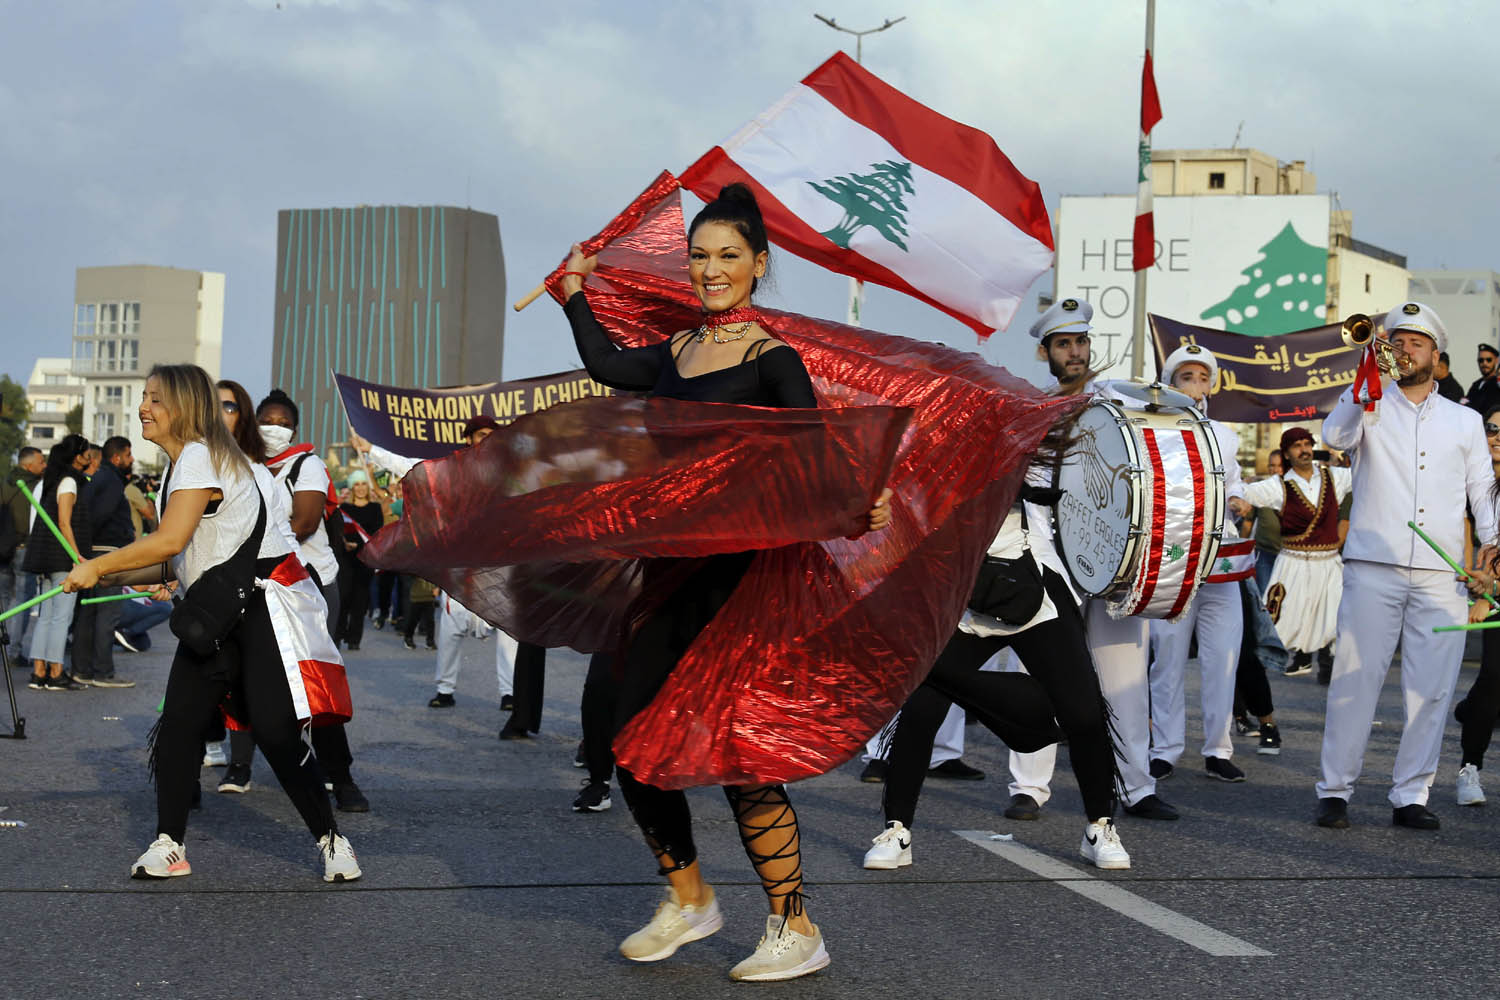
[1158,918]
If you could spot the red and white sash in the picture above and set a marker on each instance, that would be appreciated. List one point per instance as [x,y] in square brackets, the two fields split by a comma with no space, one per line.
[314,668]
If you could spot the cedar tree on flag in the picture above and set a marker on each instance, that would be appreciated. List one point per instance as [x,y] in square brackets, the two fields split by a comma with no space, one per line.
[854,175]
[1144,249]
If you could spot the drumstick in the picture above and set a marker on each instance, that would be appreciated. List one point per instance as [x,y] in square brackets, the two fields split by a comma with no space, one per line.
[1437,548]
[38,599]
[531,297]
[1491,623]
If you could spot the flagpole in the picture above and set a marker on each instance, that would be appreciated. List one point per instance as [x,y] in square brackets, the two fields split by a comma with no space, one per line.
[856,287]
[1138,327]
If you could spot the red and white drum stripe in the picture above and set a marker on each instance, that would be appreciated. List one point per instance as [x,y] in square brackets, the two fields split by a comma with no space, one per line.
[1174,485]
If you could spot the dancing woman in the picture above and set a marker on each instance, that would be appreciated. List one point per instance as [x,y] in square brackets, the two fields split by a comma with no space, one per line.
[211,512]
[730,358]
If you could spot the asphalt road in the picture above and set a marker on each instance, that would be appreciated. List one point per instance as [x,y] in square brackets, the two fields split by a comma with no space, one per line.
[480,880]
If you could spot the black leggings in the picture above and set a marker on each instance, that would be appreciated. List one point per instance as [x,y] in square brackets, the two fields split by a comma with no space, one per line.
[354,600]
[1019,708]
[1251,689]
[262,699]
[767,823]
[530,681]
[1481,705]
[598,715]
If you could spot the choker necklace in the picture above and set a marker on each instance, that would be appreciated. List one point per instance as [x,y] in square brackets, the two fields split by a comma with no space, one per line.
[742,316]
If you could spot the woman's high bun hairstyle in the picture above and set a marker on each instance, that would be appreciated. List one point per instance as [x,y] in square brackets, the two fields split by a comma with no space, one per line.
[736,206]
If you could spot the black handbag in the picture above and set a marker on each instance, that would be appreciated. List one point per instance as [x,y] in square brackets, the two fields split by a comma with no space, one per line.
[214,604]
[1009,590]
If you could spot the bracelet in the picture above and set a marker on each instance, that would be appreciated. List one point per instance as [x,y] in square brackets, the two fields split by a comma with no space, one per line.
[581,274]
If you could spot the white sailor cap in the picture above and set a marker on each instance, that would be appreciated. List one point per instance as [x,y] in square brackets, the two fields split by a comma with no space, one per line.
[1419,318]
[1190,354]
[1065,316]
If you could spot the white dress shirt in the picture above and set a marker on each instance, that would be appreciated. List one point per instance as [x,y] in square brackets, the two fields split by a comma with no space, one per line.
[1268,492]
[1413,462]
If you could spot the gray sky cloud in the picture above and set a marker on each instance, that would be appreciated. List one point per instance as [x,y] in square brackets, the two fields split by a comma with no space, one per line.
[172,133]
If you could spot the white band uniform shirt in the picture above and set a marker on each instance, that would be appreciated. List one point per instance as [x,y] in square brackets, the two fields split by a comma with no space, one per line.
[221,533]
[1415,462]
[1307,618]
[1215,615]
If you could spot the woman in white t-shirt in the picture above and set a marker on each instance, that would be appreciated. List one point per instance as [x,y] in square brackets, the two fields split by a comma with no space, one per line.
[209,509]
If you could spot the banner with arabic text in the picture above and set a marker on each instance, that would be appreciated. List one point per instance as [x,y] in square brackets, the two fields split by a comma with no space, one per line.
[429,423]
[1293,376]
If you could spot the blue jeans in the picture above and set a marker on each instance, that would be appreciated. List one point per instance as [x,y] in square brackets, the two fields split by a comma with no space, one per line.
[1263,562]
[49,639]
[24,590]
[136,621]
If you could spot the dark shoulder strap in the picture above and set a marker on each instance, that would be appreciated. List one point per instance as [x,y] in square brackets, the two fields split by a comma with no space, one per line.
[757,347]
[291,476]
[679,346]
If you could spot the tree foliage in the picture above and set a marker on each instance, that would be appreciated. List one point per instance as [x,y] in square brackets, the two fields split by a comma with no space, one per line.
[74,420]
[14,409]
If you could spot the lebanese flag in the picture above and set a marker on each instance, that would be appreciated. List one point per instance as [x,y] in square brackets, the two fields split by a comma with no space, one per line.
[1235,562]
[1144,249]
[857,177]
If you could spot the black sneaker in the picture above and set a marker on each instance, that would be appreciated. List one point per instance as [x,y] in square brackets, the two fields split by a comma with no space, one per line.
[38,683]
[594,798]
[579,760]
[441,700]
[1246,726]
[1415,817]
[1333,813]
[348,798]
[406,640]
[380,623]
[1152,807]
[1301,664]
[236,779]
[509,732]
[874,772]
[956,770]
[507,703]
[1270,739]
[1161,770]
[1221,769]
[64,682]
[125,642]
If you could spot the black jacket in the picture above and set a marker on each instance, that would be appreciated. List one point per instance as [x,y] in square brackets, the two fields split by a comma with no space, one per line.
[1484,394]
[109,511]
[1449,388]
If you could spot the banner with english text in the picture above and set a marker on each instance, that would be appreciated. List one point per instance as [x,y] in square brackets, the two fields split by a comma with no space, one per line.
[429,423]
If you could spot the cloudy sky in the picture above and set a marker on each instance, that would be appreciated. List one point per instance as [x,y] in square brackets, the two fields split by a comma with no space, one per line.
[171,133]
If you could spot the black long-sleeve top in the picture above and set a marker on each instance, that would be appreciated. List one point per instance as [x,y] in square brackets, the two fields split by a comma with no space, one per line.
[774,377]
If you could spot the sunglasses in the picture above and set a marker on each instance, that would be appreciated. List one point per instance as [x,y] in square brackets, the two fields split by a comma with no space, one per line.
[1490,430]
[229,405]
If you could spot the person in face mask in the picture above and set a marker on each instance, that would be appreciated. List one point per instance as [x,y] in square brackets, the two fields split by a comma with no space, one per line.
[303,474]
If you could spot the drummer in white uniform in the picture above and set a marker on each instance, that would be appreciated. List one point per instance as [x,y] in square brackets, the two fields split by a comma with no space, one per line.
[1118,646]
[1308,576]
[1417,458]
[1214,614]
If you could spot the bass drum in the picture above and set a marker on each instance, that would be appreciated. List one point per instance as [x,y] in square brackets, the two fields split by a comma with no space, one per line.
[1142,510]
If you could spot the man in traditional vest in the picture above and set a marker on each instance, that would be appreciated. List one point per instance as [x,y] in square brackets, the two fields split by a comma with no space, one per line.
[1303,594]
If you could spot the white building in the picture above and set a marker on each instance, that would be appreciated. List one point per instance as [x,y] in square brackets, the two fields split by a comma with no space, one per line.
[1469,304]
[51,390]
[127,319]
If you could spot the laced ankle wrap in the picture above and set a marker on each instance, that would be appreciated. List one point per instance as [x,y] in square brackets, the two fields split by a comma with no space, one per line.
[768,830]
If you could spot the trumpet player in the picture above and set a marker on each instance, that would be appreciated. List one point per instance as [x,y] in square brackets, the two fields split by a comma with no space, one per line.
[1417,457]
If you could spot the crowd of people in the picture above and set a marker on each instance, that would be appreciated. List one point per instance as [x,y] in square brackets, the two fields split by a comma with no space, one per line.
[253,549]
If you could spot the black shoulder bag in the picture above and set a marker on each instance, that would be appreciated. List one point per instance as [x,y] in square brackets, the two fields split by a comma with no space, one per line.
[1011,590]
[213,605]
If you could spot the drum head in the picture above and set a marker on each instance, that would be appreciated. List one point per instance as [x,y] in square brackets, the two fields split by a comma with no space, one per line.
[1098,507]
[1153,394]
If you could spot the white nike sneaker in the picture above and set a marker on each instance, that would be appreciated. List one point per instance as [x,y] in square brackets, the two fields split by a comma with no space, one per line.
[1101,845]
[1469,791]
[673,926]
[214,756]
[892,848]
[339,862]
[165,858]
[782,954]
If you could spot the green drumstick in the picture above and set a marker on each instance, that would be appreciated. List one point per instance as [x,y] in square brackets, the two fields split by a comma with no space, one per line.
[48,522]
[31,603]
[1437,548]
[1489,623]
[129,595]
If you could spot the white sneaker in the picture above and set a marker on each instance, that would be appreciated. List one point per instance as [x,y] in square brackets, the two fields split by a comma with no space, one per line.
[339,862]
[1469,791]
[673,926]
[214,756]
[165,858]
[892,848]
[1101,845]
[782,954]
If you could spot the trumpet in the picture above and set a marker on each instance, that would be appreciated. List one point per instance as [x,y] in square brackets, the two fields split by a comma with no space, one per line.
[1359,331]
